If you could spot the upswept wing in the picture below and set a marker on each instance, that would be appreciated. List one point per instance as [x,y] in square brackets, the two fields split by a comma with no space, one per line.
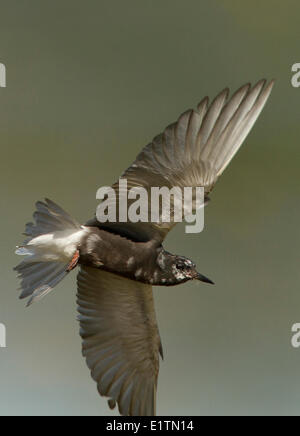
[120,337]
[193,152]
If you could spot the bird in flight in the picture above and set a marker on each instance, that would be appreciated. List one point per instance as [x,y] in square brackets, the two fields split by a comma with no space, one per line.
[119,262]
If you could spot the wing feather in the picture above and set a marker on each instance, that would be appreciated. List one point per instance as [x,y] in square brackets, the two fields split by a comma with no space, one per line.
[195,150]
[120,337]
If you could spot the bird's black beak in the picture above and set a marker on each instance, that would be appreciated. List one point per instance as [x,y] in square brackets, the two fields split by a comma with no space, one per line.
[202,278]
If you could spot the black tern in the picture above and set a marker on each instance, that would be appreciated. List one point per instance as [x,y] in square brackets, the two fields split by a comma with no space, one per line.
[119,262]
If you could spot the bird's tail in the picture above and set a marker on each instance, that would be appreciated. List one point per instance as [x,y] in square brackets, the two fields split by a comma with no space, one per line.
[50,250]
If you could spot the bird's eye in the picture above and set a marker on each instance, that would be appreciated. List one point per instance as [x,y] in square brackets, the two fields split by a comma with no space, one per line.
[180,266]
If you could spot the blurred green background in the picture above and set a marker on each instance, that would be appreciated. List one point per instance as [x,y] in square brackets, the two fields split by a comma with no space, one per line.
[90,83]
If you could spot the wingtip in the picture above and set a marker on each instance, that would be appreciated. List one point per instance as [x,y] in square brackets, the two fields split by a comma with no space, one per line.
[203,103]
[265,84]
[30,301]
[241,88]
[271,83]
[111,403]
[225,91]
[267,87]
[259,85]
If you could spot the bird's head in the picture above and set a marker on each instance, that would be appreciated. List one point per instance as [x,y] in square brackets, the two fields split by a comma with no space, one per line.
[184,269]
[180,269]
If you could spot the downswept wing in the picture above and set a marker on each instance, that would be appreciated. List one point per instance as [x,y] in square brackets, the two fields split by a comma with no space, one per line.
[120,339]
[194,151]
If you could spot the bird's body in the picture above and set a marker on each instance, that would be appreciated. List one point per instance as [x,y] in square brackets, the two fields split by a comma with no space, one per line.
[120,255]
[120,262]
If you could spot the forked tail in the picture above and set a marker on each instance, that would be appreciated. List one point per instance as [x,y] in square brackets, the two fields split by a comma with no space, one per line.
[50,250]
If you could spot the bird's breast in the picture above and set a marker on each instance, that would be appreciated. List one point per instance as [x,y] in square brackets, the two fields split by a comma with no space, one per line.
[114,253]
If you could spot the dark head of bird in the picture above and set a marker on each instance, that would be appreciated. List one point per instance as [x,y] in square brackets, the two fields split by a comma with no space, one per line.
[179,269]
